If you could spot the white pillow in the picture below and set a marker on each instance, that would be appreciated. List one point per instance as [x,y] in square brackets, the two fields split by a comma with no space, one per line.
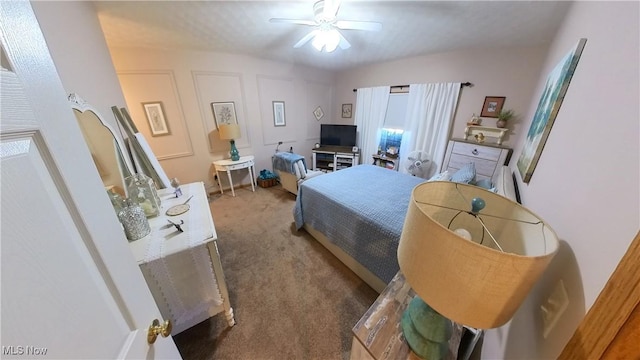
[443,176]
[301,172]
[504,183]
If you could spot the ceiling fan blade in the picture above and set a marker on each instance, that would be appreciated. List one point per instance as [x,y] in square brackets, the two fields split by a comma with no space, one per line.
[330,9]
[293,21]
[305,39]
[359,25]
[344,44]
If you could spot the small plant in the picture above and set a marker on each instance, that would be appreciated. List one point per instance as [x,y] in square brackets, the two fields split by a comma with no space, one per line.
[505,115]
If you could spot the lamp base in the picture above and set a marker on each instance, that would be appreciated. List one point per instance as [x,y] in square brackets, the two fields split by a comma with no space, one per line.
[235,155]
[426,331]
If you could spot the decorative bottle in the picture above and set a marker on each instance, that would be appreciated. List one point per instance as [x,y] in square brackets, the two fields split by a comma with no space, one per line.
[116,200]
[141,189]
[134,220]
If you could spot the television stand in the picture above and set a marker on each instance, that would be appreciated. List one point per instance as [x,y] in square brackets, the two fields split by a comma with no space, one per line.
[332,158]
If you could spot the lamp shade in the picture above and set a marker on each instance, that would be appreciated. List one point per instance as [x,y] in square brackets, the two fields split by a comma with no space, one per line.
[479,282]
[229,131]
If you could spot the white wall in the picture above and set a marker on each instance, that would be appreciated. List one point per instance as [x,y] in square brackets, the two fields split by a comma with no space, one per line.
[509,72]
[586,184]
[80,53]
[187,82]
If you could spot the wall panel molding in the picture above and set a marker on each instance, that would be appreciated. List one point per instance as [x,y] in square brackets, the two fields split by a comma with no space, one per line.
[213,86]
[141,86]
[276,88]
[318,94]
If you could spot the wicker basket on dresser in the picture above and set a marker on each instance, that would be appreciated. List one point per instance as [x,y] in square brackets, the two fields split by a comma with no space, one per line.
[488,158]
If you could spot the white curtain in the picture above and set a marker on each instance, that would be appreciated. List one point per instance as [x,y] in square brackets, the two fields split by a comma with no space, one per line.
[371,107]
[430,111]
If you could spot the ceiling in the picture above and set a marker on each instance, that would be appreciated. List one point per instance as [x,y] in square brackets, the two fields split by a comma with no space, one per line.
[410,28]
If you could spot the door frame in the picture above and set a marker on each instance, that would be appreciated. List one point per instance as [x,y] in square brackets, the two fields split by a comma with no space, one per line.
[611,310]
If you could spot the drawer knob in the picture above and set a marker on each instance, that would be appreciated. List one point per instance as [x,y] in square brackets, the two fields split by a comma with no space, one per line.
[475,152]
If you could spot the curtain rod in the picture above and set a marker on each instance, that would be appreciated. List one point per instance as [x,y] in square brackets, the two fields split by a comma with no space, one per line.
[402,86]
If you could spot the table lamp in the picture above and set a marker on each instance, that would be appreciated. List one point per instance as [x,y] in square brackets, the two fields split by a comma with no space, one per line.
[471,256]
[231,132]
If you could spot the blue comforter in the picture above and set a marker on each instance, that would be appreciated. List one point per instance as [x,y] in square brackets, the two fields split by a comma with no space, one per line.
[361,209]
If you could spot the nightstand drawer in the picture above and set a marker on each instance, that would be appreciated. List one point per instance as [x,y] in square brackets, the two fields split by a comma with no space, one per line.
[482,152]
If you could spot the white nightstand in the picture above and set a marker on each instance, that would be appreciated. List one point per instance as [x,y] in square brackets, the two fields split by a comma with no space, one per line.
[245,162]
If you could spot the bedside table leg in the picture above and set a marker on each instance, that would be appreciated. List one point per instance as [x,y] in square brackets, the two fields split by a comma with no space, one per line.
[252,172]
[219,183]
[231,183]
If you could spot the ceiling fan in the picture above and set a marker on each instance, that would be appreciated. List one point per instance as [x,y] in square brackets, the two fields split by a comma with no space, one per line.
[326,34]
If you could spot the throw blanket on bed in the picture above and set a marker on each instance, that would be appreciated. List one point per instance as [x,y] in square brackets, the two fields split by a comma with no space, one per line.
[361,209]
[286,161]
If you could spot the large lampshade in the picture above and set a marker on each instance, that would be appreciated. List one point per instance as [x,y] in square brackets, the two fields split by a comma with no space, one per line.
[479,282]
[229,132]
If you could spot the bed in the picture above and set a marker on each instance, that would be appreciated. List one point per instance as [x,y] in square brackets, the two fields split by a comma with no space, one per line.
[358,213]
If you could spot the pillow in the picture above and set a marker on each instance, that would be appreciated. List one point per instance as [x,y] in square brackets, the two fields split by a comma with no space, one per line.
[484,183]
[466,175]
[301,171]
[505,185]
[443,176]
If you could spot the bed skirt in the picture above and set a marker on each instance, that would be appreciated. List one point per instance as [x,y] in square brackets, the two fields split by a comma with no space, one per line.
[363,273]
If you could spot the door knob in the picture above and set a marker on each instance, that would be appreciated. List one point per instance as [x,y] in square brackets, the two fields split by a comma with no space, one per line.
[156,329]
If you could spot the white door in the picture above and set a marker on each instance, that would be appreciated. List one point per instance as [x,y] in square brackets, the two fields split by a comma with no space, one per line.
[70,288]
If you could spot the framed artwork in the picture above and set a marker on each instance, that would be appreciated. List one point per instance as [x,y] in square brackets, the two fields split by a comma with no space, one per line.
[318,113]
[155,117]
[552,95]
[224,113]
[492,106]
[346,110]
[278,113]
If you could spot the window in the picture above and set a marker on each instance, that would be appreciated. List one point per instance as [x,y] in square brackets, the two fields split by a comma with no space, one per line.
[391,133]
[389,138]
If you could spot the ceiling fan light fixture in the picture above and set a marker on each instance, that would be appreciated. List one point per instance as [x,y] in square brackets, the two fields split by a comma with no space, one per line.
[327,39]
[326,33]
[318,42]
[332,38]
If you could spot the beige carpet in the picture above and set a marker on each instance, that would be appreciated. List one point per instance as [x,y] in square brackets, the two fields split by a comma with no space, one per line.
[292,298]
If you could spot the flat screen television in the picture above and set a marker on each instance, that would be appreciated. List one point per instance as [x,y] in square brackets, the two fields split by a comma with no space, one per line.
[337,135]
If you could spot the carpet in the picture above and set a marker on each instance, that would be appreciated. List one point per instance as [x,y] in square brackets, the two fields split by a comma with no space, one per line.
[292,299]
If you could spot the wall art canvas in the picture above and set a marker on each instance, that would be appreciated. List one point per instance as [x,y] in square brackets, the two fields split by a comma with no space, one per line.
[552,95]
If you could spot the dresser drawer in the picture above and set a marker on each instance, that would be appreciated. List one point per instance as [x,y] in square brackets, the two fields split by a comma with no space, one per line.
[483,167]
[476,151]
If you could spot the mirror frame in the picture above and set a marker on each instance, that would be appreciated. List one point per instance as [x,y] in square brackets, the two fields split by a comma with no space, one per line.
[79,104]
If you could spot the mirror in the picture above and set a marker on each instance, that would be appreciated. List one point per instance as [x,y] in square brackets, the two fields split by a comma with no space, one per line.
[106,148]
[144,159]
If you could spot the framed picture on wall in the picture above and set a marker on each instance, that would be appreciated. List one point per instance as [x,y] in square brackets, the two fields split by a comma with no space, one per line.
[278,114]
[318,113]
[346,110]
[155,116]
[224,113]
[492,106]
[553,93]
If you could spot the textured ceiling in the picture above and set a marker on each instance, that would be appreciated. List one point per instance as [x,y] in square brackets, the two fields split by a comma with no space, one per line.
[410,28]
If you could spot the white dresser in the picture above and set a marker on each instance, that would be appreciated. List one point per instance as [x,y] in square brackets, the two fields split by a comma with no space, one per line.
[183,269]
[488,158]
